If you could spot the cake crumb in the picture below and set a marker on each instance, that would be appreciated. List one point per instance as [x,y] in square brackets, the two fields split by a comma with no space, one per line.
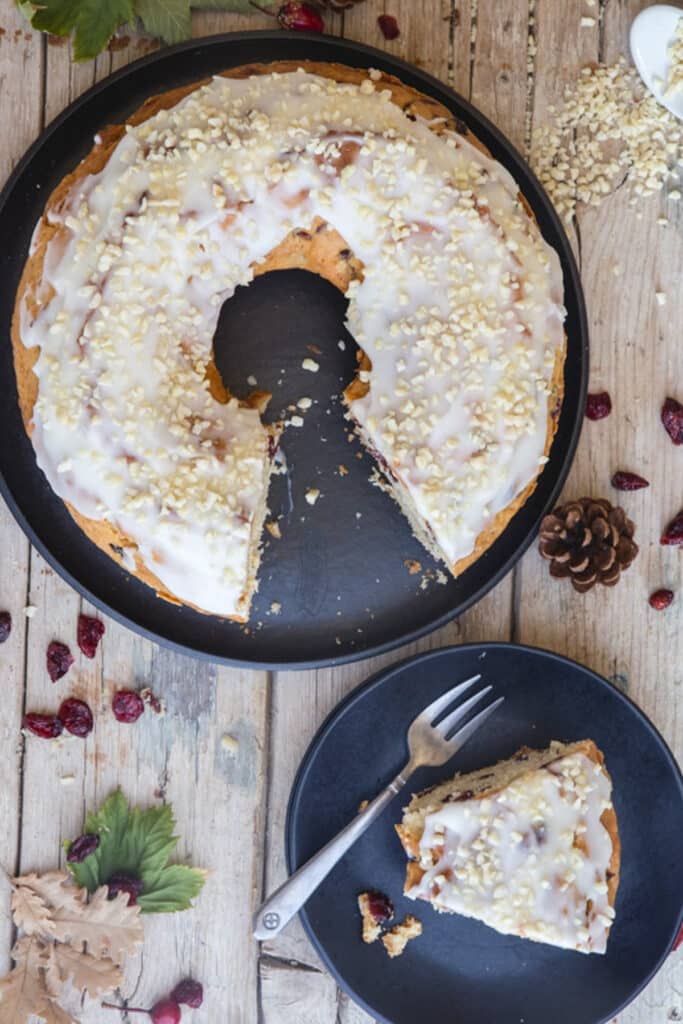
[441,578]
[251,380]
[157,705]
[343,471]
[341,345]
[275,608]
[362,805]
[230,744]
[273,529]
[30,610]
[398,937]
[312,495]
[297,421]
[310,364]
[376,910]
[412,566]
[305,402]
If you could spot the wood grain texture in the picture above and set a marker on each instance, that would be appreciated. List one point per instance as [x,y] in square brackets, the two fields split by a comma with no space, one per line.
[513,59]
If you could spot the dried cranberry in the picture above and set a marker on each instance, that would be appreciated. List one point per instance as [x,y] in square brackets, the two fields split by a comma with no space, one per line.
[5,626]
[296,15]
[678,941]
[661,599]
[127,706]
[388,26]
[625,481]
[672,418]
[598,405]
[76,716]
[122,882]
[674,531]
[381,907]
[165,1012]
[90,632]
[48,727]
[59,660]
[188,993]
[82,847]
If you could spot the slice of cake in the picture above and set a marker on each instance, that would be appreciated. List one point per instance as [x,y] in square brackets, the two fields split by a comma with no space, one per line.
[530,846]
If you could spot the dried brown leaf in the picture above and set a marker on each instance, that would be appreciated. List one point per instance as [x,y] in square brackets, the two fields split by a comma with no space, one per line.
[22,992]
[54,1014]
[86,972]
[110,927]
[30,912]
[55,889]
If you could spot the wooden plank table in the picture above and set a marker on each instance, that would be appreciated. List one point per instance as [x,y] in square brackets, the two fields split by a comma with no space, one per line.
[512,58]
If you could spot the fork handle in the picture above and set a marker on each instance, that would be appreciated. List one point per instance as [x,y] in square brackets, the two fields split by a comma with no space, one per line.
[281,907]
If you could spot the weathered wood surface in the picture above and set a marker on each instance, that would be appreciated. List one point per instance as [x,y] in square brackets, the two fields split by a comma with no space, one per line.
[513,59]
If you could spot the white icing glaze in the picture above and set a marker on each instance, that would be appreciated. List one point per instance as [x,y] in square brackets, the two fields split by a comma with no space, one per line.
[510,860]
[459,311]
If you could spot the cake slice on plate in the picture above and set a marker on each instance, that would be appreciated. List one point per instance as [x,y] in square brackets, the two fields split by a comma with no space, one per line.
[530,846]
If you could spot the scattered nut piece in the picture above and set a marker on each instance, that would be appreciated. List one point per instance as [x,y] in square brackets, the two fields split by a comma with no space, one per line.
[343,471]
[305,403]
[275,608]
[398,937]
[230,744]
[587,22]
[312,495]
[661,298]
[412,566]
[273,529]
[251,380]
[310,364]
[30,610]
[296,421]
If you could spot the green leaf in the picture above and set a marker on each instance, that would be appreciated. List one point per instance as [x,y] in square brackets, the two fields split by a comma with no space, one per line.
[92,22]
[139,843]
[170,19]
[237,6]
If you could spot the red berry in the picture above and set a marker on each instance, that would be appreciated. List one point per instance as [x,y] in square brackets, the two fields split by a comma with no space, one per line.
[388,26]
[381,907]
[674,531]
[82,847]
[45,726]
[672,418]
[90,632]
[165,1012]
[625,481]
[127,706]
[122,882]
[188,993]
[678,941]
[59,660]
[598,406]
[5,626]
[661,599]
[296,15]
[76,716]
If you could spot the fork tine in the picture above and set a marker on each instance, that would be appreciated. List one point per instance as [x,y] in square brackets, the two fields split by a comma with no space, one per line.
[446,725]
[462,735]
[432,710]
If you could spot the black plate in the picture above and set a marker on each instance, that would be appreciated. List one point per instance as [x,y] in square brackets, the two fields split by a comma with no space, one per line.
[459,971]
[339,576]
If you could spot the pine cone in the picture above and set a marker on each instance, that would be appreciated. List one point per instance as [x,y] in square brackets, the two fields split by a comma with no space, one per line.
[589,541]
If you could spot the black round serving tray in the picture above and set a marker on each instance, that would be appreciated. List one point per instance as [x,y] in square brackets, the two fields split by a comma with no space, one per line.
[336,586]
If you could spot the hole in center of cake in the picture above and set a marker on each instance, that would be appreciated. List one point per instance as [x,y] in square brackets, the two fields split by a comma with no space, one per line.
[284,334]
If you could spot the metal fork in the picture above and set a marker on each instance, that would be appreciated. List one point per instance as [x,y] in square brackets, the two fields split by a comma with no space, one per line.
[428,744]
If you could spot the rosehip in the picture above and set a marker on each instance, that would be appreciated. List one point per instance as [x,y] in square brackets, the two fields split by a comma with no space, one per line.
[165,1012]
[296,15]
